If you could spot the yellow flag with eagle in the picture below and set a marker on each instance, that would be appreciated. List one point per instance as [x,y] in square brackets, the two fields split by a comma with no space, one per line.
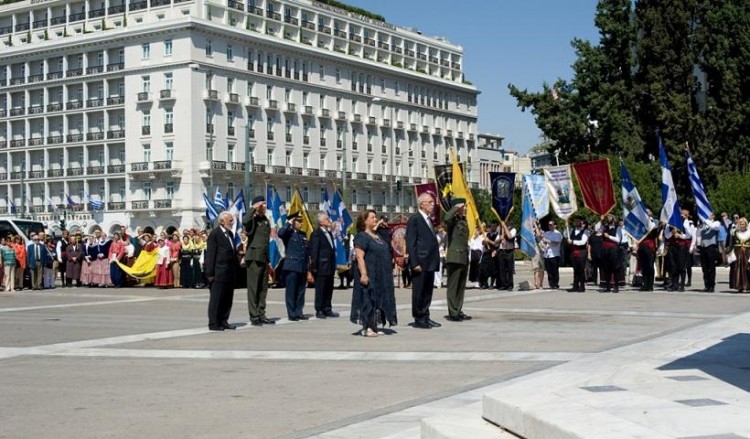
[460,189]
[298,205]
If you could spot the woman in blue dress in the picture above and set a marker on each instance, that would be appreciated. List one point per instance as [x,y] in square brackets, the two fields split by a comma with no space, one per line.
[373,298]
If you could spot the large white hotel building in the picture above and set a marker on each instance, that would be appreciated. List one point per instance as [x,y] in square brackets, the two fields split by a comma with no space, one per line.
[146,104]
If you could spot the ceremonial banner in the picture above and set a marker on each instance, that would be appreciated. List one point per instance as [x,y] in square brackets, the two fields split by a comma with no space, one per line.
[537,190]
[340,222]
[459,189]
[297,205]
[144,267]
[398,241]
[502,184]
[443,179]
[528,241]
[670,211]
[431,189]
[702,206]
[595,180]
[635,218]
[560,189]
[276,215]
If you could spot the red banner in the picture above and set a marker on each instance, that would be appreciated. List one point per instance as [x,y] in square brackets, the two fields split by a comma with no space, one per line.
[430,188]
[595,180]
[398,241]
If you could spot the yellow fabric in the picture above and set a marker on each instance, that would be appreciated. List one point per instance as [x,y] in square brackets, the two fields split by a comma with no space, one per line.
[297,205]
[461,190]
[144,267]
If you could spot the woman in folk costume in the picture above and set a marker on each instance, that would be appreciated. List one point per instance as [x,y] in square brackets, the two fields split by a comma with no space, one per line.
[199,249]
[739,255]
[74,256]
[116,253]
[186,262]
[90,251]
[164,278]
[101,265]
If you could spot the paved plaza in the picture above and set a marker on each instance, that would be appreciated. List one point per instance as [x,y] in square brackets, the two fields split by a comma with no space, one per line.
[141,362]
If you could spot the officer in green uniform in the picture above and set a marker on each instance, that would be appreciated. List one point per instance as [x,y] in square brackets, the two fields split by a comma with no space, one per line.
[457,259]
[258,232]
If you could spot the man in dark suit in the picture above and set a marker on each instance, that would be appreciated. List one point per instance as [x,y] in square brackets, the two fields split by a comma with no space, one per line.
[295,266]
[221,265]
[323,266]
[36,258]
[424,260]
[258,231]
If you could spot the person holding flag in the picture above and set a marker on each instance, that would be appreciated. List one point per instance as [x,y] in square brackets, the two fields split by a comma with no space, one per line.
[578,240]
[709,251]
[611,258]
[680,241]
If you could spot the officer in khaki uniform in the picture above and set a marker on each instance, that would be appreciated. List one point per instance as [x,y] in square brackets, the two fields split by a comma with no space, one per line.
[457,259]
[258,232]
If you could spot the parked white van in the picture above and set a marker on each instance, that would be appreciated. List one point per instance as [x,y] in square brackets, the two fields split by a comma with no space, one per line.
[17,226]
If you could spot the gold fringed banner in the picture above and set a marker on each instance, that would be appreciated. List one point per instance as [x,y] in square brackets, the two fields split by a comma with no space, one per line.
[144,268]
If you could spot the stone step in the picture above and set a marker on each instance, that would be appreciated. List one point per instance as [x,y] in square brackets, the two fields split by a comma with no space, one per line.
[465,422]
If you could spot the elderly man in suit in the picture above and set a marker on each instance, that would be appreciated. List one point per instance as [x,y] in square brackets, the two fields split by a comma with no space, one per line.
[424,260]
[36,258]
[295,266]
[221,265]
[323,266]
[258,231]
[457,259]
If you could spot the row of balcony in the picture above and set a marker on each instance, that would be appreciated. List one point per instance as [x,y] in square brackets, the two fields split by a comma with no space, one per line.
[79,171]
[60,74]
[58,106]
[338,33]
[70,138]
[164,95]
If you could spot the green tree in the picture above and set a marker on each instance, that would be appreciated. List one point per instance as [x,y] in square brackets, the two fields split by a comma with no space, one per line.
[732,194]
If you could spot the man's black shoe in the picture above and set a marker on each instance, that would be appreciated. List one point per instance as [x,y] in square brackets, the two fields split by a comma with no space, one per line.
[331,313]
[267,321]
[215,328]
[320,315]
[227,325]
[453,318]
[293,319]
[572,290]
[464,316]
[303,317]
[256,323]
[422,325]
[433,323]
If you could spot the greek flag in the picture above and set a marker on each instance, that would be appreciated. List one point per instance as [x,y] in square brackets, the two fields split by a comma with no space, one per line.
[95,204]
[211,212]
[702,206]
[219,201]
[670,212]
[238,211]
[635,217]
[276,215]
[340,222]
[12,206]
[69,201]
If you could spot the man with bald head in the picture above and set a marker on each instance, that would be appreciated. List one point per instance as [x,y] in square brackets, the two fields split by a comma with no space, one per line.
[221,265]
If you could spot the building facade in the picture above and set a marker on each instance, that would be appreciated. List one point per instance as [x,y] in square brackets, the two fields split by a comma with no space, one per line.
[493,157]
[135,109]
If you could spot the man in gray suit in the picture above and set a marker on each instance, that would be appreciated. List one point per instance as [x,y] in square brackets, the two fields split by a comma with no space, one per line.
[258,231]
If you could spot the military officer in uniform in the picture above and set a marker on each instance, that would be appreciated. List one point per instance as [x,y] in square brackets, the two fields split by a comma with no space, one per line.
[295,266]
[258,232]
[457,259]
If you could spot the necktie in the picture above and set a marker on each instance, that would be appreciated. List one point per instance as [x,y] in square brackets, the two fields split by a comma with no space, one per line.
[37,252]
[231,238]
[330,238]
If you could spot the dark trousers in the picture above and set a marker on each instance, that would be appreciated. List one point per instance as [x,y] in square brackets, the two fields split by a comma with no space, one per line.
[611,263]
[646,258]
[220,302]
[679,260]
[456,288]
[323,293]
[295,284]
[709,256]
[579,271]
[505,273]
[422,285]
[257,289]
[61,266]
[552,267]
[476,256]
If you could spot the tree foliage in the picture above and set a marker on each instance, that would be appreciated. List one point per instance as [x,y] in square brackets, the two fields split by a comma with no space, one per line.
[679,66]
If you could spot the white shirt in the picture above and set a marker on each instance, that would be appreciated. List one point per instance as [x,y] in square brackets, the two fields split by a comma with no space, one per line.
[428,220]
[476,243]
[509,243]
[552,238]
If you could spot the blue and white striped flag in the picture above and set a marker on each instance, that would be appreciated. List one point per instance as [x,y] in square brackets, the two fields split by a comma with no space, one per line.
[670,211]
[635,218]
[528,218]
[702,206]
[219,201]
[238,211]
[95,204]
[211,212]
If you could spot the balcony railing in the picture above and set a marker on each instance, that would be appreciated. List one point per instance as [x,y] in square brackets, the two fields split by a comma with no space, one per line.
[325,114]
[55,106]
[115,67]
[305,140]
[115,169]
[74,172]
[162,164]
[16,81]
[143,96]
[116,205]
[259,168]
[210,128]
[95,102]
[17,111]
[57,20]
[36,109]
[94,69]
[212,95]
[22,26]
[168,128]
[51,173]
[16,175]
[230,131]
[94,170]
[116,9]
[73,105]
[139,166]
[269,135]
[115,100]
[290,108]
[53,140]
[237,166]
[139,205]
[36,78]
[76,17]
[3,112]
[251,101]
[162,204]
[36,141]
[135,6]
[146,130]
[165,94]
[218,165]
[322,141]
[115,134]
[18,143]
[234,98]
[73,72]
[273,104]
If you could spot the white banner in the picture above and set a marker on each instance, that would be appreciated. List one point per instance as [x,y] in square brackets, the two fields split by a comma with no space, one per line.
[538,194]
[562,195]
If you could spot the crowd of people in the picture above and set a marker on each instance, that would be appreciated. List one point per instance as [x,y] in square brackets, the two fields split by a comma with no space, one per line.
[602,254]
